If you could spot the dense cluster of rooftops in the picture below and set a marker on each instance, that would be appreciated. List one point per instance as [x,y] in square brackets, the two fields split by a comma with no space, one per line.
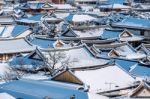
[80,50]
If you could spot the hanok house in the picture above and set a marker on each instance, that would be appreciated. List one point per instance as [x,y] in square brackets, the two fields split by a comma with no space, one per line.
[122,35]
[37,7]
[108,77]
[54,1]
[142,25]
[80,56]
[133,67]
[51,19]
[13,47]
[15,31]
[80,20]
[121,50]
[86,2]
[7,20]
[142,91]
[46,90]
[83,33]
[114,7]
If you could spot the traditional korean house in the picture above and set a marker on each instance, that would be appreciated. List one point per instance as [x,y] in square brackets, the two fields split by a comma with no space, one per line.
[77,55]
[142,91]
[134,23]
[7,20]
[133,67]
[143,49]
[74,32]
[122,35]
[33,7]
[53,1]
[137,90]
[33,61]
[46,89]
[13,47]
[121,50]
[88,2]
[51,18]
[115,78]
[64,7]
[27,22]
[43,42]
[120,92]
[147,46]
[15,31]
[80,20]
[114,7]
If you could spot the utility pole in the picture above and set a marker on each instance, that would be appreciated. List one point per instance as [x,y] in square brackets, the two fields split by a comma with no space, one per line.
[109,84]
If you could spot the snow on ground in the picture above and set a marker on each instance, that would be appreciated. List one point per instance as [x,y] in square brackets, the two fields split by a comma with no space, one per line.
[100,79]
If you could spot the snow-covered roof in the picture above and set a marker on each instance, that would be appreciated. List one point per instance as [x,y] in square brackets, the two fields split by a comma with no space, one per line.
[82,55]
[12,46]
[35,17]
[89,33]
[133,67]
[32,89]
[116,1]
[99,79]
[116,6]
[110,33]
[62,15]
[137,90]
[124,50]
[96,96]
[12,30]
[107,34]
[52,18]
[6,20]
[6,96]
[27,21]
[63,6]
[133,38]
[79,18]
[42,42]
[135,23]
[46,5]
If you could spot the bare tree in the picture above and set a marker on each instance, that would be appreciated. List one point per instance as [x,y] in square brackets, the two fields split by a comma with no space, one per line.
[15,72]
[57,60]
[12,74]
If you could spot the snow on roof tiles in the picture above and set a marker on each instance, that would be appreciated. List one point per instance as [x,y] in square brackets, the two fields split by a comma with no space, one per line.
[98,79]
[31,89]
[8,46]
